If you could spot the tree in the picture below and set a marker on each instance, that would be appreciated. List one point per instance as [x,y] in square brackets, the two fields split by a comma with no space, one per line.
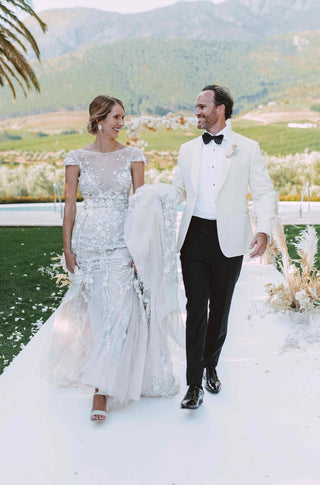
[13,36]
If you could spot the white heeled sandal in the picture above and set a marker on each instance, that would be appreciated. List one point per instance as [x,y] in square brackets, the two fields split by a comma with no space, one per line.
[98,412]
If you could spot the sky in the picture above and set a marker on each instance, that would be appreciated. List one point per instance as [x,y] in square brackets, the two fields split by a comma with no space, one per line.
[123,6]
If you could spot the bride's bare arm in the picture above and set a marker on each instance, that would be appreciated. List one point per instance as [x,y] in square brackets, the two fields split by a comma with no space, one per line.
[137,170]
[70,210]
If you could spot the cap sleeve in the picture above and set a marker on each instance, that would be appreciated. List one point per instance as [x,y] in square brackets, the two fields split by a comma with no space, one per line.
[137,156]
[71,159]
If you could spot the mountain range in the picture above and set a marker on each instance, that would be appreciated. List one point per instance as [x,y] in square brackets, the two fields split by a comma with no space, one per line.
[158,61]
[74,29]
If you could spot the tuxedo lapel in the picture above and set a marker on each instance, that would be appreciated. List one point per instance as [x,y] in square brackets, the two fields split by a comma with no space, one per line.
[225,167]
[195,163]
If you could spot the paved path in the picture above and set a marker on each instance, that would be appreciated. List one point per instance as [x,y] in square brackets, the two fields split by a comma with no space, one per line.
[42,215]
[262,429]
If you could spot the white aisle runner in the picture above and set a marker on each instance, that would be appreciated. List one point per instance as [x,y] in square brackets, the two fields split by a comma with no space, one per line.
[263,428]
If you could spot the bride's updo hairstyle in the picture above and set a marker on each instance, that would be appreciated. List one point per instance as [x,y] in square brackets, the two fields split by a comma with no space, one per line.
[99,109]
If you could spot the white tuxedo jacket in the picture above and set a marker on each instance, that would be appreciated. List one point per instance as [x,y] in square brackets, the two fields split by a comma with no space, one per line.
[243,170]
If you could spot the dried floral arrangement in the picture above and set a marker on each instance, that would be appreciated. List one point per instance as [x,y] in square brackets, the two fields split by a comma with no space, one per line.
[300,290]
[169,122]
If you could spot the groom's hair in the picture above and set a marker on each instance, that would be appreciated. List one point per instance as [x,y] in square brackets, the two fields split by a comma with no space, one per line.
[222,95]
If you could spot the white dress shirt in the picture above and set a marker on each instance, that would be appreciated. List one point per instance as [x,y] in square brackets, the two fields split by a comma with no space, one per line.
[212,156]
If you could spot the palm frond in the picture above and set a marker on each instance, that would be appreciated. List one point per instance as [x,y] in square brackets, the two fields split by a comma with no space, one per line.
[9,52]
[4,75]
[26,6]
[5,67]
[8,32]
[13,34]
[23,29]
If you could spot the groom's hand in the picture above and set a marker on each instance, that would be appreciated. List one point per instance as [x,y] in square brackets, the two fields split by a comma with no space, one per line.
[259,244]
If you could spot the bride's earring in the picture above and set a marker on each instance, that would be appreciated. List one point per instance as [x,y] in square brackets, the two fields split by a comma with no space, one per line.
[100,127]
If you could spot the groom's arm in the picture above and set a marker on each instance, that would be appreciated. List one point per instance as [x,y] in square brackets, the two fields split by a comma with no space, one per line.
[264,202]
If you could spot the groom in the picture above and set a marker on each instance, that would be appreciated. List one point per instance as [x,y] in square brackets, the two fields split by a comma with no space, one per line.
[213,174]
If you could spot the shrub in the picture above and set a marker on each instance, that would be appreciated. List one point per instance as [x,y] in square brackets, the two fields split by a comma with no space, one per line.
[9,136]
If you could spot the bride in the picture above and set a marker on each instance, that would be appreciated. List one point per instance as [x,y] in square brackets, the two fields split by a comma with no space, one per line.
[109,332]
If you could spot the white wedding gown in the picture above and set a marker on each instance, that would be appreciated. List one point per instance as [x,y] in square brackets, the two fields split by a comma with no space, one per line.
[114,330]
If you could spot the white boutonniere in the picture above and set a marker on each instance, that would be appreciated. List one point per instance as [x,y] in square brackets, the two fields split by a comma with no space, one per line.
[232,150]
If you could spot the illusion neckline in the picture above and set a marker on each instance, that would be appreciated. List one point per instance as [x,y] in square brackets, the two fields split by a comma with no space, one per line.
[102,153]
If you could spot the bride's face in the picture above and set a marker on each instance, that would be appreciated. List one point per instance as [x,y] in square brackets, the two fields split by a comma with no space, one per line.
[113,123]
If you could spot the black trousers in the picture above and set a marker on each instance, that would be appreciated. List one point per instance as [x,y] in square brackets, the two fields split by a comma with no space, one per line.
[209,279]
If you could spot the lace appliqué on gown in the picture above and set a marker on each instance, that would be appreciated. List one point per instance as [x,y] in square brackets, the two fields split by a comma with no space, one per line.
[103,335]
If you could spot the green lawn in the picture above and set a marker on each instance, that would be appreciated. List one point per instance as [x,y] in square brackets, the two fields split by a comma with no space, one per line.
[30,142]
[275,139]
[278,139]
[29,293]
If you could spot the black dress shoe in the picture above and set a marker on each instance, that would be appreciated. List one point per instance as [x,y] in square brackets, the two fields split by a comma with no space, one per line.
[193,398]
[212,381]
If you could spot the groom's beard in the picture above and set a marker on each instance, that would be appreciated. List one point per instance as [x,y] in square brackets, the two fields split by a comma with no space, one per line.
[202,124]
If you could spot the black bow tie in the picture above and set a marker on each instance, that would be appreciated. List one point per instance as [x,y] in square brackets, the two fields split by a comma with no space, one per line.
[216,138]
